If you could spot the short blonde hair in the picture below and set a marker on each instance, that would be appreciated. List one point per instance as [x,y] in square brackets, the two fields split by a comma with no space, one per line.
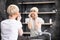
[12,9]
[34,9]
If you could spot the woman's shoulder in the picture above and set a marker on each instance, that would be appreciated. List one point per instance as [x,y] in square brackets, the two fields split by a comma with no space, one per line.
[40,18]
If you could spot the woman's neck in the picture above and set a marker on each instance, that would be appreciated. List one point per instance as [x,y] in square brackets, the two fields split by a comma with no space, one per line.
[12,17]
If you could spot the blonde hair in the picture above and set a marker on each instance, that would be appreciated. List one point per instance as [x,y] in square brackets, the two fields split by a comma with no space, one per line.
[34,9]
[12,9]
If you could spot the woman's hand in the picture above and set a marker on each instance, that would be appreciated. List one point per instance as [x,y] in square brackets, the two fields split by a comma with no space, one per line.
[19,17]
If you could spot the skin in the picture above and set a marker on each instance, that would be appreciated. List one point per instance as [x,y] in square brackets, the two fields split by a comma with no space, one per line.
[33,15]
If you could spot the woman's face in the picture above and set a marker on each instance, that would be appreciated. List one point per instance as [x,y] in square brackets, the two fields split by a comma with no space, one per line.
[33,15]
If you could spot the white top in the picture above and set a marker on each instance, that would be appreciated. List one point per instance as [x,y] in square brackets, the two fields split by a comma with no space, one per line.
[33,31]
[9,29]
